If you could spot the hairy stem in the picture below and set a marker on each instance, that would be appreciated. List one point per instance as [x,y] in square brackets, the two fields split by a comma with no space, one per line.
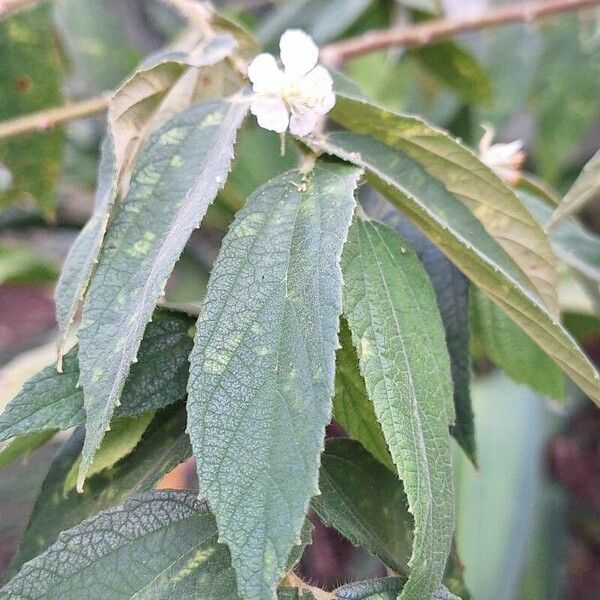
[337,53]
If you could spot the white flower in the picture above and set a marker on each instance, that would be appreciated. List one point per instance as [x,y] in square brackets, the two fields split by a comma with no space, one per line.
[505,159]
[297,96]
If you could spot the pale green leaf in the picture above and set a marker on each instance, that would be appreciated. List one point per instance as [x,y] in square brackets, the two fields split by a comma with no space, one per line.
[262,368]
[453,228]
[158,545]
[30,78]
[509,348]
[585,189]
[444,162]
[120,440]
[52,400]
[20,264]
[163,446]
[397,330]
[365,502]
[352,408]
[176,179]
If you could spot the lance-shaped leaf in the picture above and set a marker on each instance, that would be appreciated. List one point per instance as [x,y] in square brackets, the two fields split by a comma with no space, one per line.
[365,502]
[398,333]
[454,229]
[452,293]
[176,179]
[158,545]
[352,407]
[262,368]
[23,446]
[163,85]
[163,446]
[509,348]
[584,190]
[445,162]
[52,400]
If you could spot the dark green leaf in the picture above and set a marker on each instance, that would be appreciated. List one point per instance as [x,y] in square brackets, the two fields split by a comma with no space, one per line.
[452,227]
[365,502]
[352,408]
[163,446]
[262,368]
[398,333]
[30,78]
[176,179]
[509,348]
[51,400]
[457,68]
[157,545]
[452,293]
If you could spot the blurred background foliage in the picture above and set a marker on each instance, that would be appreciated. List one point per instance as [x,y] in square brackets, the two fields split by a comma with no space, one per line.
[529,517]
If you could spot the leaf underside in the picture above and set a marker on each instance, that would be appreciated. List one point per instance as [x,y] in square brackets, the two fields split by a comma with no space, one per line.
[262,368]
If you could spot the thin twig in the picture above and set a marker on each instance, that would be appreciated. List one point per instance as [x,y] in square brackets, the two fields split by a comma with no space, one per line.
[337,53]
[46,119]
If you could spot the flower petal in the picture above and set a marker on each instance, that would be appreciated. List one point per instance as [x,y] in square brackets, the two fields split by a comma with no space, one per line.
[317,88]
[299,54]
[265,75]
[303,123]
[271,113]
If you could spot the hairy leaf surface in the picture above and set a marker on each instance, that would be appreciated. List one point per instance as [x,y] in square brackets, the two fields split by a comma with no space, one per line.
[446,164]
[397,330]
[178,176]
[163,446]
[365,502]
[452,227]
[158,545]
[382,589]
[52,400]
[262,368]
[352,407]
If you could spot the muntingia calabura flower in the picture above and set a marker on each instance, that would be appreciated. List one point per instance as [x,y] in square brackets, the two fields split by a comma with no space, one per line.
[506,160]
[297,96]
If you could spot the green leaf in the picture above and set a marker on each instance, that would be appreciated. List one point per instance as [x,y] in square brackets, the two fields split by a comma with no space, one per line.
[324,21]
[445,163]
[573,244]
[51,400]
[262,368]
[165,83]
[96,40]
[585,189]
[457,68]
[382,589]
[397,330]
[178,176]
[23,446]
[30,78]
[163,446]
[120,440]
[452,293]
[19,264]
[510,349]
[352,408]
[365,502]
[80,262]
[158,545]
[452,227]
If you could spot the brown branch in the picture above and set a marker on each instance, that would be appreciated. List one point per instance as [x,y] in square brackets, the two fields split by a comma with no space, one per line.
[47,119]
[421,34]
